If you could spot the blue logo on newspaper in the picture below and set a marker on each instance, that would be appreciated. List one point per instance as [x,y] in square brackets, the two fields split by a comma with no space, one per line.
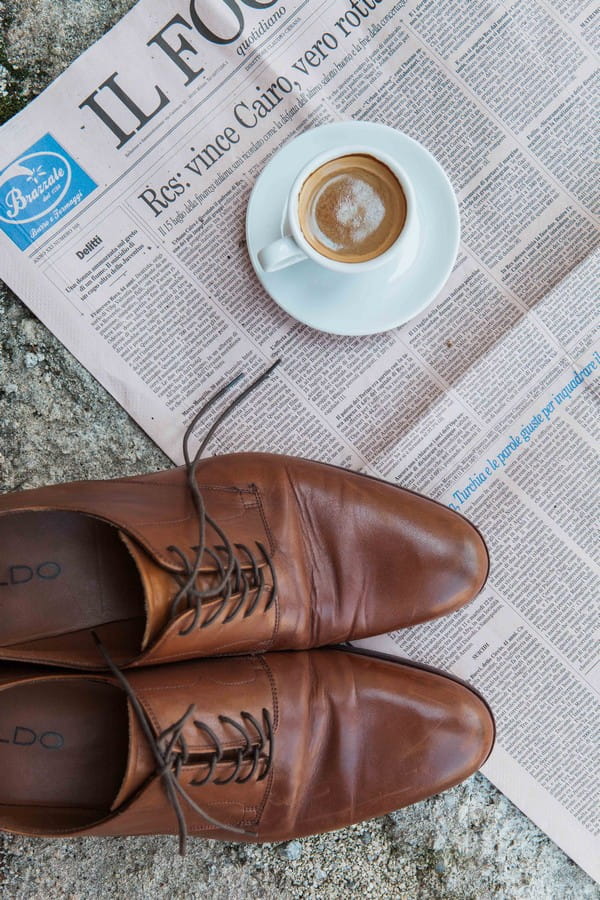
[38,189]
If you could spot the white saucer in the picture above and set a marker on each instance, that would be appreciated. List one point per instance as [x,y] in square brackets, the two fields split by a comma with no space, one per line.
[356,304]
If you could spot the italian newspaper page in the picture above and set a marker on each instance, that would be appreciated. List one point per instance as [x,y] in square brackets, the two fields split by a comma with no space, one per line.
[123,193]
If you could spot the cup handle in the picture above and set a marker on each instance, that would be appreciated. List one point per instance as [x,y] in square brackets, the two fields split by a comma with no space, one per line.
[279,254]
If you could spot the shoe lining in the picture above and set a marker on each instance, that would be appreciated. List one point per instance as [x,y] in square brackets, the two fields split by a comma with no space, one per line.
[63,753]
[63,574]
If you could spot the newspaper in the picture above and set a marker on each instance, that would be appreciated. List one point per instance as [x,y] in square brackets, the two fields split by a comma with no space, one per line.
[124,189]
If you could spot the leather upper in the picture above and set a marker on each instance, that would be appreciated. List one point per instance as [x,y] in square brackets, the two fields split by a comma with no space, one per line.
[316,740]
[352,556]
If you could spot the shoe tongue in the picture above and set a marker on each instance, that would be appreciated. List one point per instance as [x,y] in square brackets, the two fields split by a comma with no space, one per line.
[140,761]
[159,588]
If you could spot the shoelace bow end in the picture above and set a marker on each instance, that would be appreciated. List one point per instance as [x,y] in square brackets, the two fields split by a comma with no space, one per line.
[233,577]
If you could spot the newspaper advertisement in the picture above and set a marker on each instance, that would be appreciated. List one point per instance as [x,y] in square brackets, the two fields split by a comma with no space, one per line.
[124,189]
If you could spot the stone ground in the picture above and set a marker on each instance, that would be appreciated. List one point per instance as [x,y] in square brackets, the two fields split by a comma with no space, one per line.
[58,424]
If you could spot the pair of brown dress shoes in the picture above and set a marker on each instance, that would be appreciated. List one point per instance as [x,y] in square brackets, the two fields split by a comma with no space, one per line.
[199,582]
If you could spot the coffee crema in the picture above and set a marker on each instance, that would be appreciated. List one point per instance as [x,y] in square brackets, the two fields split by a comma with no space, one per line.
[352,208]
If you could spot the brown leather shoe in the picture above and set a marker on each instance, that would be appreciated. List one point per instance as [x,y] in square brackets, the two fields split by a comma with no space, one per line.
[239,553]
[259,748]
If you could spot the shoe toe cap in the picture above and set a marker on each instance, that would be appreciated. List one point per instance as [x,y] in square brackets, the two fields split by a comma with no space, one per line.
[409,558]
[378,735]
[428,732]
[451,563]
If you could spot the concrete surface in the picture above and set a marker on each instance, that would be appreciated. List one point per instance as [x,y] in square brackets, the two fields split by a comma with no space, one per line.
[58,424]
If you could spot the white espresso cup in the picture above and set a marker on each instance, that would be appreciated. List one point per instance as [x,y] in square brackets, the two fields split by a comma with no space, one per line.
[294,247]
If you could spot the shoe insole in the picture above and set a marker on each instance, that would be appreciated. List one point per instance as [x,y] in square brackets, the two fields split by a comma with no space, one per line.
[63,572]
[63,745]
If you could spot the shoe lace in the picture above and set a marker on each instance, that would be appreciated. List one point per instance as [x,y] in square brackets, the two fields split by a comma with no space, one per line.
[171,753]
[242,579]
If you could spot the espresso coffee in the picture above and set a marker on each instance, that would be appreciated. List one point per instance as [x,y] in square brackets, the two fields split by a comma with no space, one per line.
[352,208]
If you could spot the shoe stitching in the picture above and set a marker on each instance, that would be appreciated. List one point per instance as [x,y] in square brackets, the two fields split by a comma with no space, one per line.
[308,550]
[193,654]
[273,549]
[275,700]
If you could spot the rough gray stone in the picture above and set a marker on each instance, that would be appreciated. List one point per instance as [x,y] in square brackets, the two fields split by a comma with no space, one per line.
[291,851]
[58,424]
[39,38]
